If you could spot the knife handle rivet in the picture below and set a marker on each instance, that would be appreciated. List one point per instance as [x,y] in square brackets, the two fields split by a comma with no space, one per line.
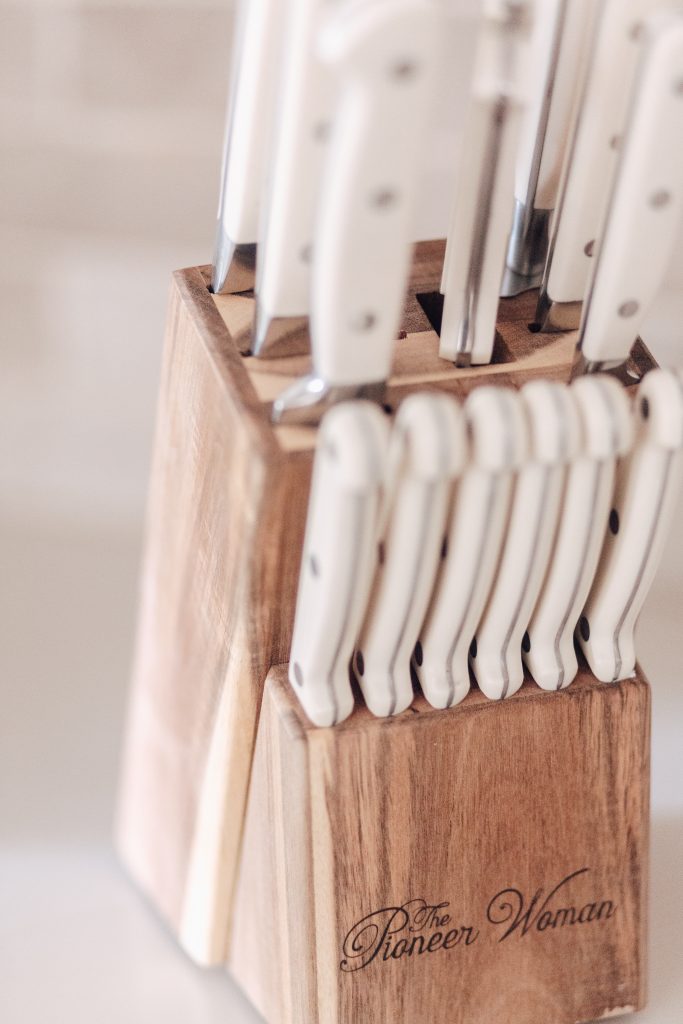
[321,131]
[584,628]
[404,69]
[629,308]
[360,663]
[678,87]
[614,522]
[364,322]
[644,408]
[419,656]
[331,450]
[305,253]
[314,565]
[636,31]
[384,198]
[660,198]
[615,142]
[298,674]
[589,247]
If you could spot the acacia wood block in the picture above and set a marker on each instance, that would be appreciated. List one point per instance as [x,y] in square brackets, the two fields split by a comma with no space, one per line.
[485,863]
[225,527]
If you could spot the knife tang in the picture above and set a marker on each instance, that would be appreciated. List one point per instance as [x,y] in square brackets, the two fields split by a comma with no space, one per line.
[483,208]
[644,211]
[383,57]
[338,558]
[645,501]
[256,63]
[474,533]
[428,450]
[606,435]
[553,423]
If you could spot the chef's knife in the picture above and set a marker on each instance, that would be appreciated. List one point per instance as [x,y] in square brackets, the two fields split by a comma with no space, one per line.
[383,54]
[483,208]
[338,557]
[304,125]
[496,655]
[645,207]
[557,56]
[607,433]
[256,62]
[474,533]
[645,500]
[592,162]
[428,449]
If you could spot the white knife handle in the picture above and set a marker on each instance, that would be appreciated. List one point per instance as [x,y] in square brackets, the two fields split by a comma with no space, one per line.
[648,485]
[429,445]
[496,657]
[498,442]
[338,558]
[483,208]
[383,54]
[644,212]
[303,127]
[607,429]
[586,185]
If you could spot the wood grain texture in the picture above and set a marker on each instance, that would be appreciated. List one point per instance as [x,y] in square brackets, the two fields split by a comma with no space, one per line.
[476,809]
[226,518]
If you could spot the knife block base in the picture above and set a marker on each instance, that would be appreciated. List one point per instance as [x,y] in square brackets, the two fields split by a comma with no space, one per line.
[482,864]
[225,526]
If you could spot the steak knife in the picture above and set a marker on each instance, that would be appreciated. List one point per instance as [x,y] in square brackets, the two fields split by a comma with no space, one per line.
[592,162]
[383,54]
[428,450]
[256,63]
[557,55]
[496,653]
[607,433]
[304,125]
[645,207]
[483,209]
[645,501]
[474,534]
[338,558]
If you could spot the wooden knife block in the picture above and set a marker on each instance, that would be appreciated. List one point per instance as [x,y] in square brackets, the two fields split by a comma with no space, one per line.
[264,842]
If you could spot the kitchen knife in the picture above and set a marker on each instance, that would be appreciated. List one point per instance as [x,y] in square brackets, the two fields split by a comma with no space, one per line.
[557,55]
[338,557]
[474,533]
[553,422]
[304,124]
[256,62]
[645,208]
[383,56]
[428,449]
[592,161]
[482,213]
[607,433]
[645,501]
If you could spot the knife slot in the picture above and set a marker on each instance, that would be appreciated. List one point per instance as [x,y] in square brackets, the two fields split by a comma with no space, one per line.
[432,306]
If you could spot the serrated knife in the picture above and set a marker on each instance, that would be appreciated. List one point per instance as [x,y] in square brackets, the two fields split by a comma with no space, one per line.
[256,63]
[645,207]
[428,449]
[338,558]
[607,433]
[383,56]
[645,501]
[474,534]
[553,422]
[483,207]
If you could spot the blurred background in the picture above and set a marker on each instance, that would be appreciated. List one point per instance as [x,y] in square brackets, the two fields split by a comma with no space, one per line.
[111,123]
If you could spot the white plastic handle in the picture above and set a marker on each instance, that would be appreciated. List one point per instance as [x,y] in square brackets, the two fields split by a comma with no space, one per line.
[498,442]
[383,54]
[303,129]
[607,434]
[647,489]
[428,450]
[483,207]
[496,657]
[645,209]
[338,557]
[585,187]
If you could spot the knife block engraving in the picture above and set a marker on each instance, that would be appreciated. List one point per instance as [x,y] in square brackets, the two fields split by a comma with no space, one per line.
[486,863]
[225,528]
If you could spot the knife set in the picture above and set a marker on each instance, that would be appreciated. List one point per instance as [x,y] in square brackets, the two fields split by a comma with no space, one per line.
[387,752]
